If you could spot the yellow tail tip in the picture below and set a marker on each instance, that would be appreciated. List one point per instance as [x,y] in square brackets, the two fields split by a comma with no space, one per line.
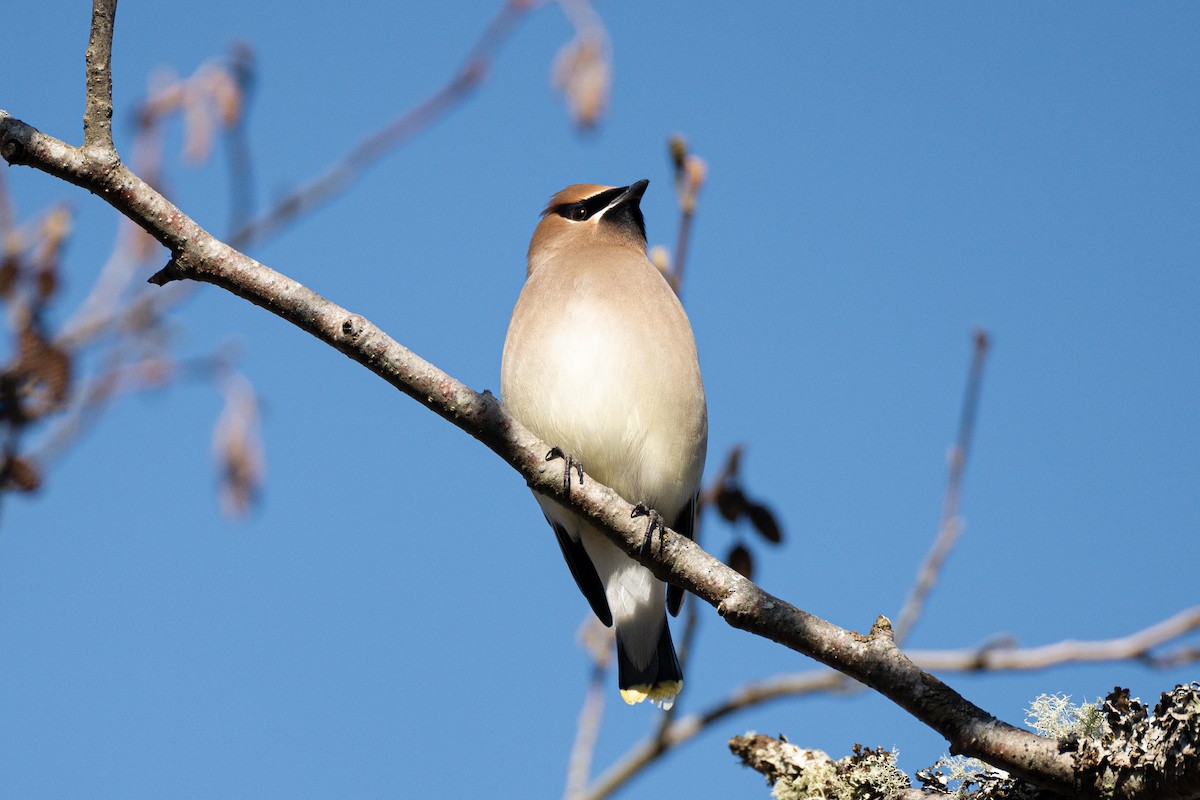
[661,694]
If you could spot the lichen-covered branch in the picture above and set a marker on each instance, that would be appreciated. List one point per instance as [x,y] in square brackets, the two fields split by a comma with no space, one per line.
[1123,742]
[1140,645]
[799,774]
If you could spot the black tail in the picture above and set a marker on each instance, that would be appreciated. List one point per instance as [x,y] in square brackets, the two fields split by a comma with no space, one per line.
[659,681]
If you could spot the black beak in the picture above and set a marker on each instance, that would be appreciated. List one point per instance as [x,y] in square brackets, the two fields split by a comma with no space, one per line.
[633,192]
[625,212]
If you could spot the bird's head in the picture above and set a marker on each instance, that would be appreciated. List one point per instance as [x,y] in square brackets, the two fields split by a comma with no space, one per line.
[586,215]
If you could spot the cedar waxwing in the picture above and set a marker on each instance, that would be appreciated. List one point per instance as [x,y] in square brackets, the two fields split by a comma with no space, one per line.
[601,363]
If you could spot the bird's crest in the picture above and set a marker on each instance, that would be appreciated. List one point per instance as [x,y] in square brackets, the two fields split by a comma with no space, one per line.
[573,194]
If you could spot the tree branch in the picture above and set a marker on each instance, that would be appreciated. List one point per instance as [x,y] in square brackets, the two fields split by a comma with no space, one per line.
[1136,645]
[812,773]
[98,110]
[872,659]
[951,524]
[579,765]
[471,73]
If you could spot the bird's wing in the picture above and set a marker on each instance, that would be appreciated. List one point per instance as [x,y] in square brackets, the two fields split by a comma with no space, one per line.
[685,524]
[583,571]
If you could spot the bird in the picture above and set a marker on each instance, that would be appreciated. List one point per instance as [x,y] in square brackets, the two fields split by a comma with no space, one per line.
[600,362]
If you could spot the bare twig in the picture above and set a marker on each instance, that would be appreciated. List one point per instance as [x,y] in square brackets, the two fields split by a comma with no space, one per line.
[1136,646]
[214,94]
[338,176]
[690,174]
[8,217]
[597,641]
[101,310]
[88,401]
[121,375]
[579,765]
[1173,658]
[241,162]
[872,659]
[951,523]
[101,307]
[97,115]
[687,727]
[109,304]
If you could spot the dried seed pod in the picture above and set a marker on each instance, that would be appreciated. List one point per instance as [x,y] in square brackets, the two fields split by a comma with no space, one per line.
[46,366]
[19,474]
[584,76]
[679,151]
[238,448]
[763,520]
[731,503]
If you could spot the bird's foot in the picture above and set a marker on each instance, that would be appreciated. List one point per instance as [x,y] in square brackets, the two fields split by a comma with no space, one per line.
[653,520]
[570,462]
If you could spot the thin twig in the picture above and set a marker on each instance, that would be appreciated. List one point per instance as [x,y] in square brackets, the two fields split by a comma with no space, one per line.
[104,308]
[598,642]
[338,176]
[101,308]
[690,173]
[237,142]
[98,110]
[587,731]
[1173,658]
[1135,646]
[121,376]
[681,248]
[8,217]
[688,727]
[951,523]
[99,311]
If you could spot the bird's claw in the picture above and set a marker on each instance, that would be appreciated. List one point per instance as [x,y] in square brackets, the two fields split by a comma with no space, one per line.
[654,520]
[570,463]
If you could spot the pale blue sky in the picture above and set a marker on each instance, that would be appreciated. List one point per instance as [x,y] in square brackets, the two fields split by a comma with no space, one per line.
[395,619]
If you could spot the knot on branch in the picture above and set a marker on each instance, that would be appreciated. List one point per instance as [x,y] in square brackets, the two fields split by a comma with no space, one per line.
[12,150]
[351,329]
[171,272]
[882,628]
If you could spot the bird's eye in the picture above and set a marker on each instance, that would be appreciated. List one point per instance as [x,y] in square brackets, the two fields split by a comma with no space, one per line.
[579,213]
